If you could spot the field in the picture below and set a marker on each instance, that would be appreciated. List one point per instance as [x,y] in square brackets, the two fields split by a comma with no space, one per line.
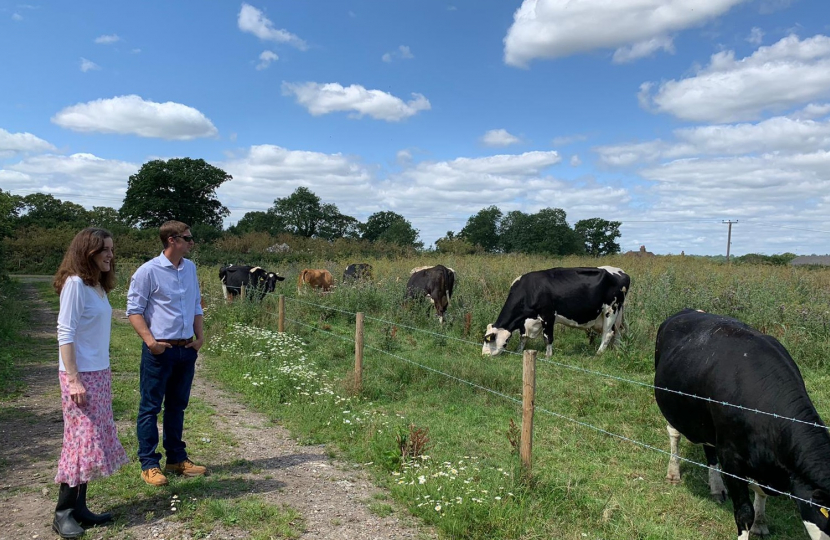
[421,376]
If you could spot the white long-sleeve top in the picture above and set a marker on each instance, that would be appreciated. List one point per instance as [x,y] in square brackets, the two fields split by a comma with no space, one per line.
[85,319]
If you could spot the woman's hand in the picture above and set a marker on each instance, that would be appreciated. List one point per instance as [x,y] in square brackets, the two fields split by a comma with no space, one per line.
[77,392]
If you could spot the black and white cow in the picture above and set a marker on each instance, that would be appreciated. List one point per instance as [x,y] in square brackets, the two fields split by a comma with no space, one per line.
[723,359]
[588,298]
[357,272]
[437,282]
[234,278]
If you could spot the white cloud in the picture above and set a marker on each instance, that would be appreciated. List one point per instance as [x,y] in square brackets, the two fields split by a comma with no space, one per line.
[813,110]
[499,137]
[253,21]
[326,98]
[83,178]
[17,17]
[265,59]
[773,78]
[403,157]
[558,28]
[133,115]
[643,49]
[756,36]
[22,143]
[575,161]
[402,53]
[135,51]
[777,134]
[88,65]
[107,39]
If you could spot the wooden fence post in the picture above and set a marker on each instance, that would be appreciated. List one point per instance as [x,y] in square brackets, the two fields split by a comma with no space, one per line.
[281,314]
[528,407]
[358,352]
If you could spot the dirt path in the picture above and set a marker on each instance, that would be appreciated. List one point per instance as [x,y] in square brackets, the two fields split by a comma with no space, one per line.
[332,496]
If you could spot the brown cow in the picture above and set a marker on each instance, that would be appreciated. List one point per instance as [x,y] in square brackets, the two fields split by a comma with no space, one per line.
[318,279]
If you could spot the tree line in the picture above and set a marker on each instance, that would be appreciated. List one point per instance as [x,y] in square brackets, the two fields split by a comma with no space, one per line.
[185,189]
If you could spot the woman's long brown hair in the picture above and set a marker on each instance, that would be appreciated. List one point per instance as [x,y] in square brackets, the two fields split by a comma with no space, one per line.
[78,260]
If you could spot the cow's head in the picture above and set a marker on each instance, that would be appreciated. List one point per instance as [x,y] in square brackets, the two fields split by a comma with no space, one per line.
[495,340]
[271,280]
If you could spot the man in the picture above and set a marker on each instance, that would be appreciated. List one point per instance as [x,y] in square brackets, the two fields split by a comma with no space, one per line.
[163,305]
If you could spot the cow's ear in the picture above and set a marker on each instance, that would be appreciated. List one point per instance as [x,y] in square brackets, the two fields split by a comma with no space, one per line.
[488,338]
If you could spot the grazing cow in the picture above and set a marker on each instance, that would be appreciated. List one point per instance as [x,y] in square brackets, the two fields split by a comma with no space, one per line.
[234,278]
[318,279]
[723,359]
[436,282]
[357,272]
[587,298]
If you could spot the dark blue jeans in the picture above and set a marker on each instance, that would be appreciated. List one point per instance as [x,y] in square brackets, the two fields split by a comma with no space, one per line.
[165,378]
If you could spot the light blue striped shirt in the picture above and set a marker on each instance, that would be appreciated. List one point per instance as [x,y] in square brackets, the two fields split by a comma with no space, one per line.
[168,297]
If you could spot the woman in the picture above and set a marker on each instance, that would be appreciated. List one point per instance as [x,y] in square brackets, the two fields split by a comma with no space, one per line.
[90,442]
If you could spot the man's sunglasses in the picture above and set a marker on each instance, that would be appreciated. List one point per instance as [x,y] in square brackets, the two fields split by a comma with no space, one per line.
[188,238]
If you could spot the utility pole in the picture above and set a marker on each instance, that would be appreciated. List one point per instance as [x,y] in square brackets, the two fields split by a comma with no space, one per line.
[729,237]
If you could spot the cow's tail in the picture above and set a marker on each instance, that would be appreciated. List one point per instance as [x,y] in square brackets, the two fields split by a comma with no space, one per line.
[300,280]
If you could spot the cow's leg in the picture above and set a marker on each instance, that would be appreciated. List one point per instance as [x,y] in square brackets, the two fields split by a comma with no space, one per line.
[716,487]
[609,317]
[620,325]
[759,526]
[548,333]
[738,492]
[522,343]
[673,474]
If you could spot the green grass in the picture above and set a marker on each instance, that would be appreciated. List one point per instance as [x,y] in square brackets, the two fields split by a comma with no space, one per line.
[583,482]
[13,345]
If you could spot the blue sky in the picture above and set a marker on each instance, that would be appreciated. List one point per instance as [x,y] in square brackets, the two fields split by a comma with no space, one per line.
[667,115]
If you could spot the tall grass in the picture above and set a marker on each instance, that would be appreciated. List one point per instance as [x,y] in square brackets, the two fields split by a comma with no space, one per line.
[584,483]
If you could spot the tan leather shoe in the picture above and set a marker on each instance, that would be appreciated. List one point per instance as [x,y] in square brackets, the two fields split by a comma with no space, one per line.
[154,477]
[185,468]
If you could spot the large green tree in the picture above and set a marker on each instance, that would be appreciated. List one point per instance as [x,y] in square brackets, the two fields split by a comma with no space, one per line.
[545,232]
[183,189]
[267,222]
[482,229]
[9,209]
[302,213]
[44,210]
[391,227]
[599,236]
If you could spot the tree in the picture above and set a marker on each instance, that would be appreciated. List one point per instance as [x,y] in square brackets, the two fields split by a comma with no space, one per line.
[402,234]
[545,232]
[303,214]
[482,229]
[267,222]
[9,210]
[182,189]
[391,227]
[599,235]
[334,225]
[106,217]
[44,210]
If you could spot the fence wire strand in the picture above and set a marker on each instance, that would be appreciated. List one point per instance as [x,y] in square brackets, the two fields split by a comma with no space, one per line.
[590,371]
[564,417]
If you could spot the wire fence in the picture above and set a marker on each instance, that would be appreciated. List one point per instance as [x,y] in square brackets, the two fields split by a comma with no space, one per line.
[555,414]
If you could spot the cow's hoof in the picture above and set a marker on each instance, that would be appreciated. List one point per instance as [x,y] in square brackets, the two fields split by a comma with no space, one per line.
[673,479]
[759,530]
[719,497]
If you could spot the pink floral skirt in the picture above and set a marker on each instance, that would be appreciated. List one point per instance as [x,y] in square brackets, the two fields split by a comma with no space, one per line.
[91,448]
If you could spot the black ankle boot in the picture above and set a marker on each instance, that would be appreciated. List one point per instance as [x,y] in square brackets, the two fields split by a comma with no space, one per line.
[64,524]
[83,515]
